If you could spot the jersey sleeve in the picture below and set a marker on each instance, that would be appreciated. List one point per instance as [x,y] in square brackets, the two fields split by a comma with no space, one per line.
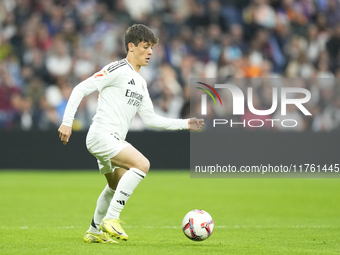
[108,76]
[151,119]
[78,93]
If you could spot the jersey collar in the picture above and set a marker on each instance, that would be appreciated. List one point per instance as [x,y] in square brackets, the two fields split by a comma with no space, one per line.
[129,64]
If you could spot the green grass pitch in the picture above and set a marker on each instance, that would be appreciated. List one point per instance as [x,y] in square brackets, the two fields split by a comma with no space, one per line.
[49,212]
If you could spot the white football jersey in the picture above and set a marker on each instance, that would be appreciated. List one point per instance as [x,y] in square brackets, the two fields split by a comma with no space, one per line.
[122,93]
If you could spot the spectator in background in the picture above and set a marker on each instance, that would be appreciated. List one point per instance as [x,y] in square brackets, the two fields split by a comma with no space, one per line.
[300,67]
[333,12]
[43,39]
[329,118]
[8,26]
[214,16]
[196,17]
[263,14]
[8,91]
[214,42]
[258,14]
[237,34]
[59,62]
[171,100]
[28,48]
[83,66]
[175,51]
[333,44]
[65,91]
[88,37]
[23,11]
[69,34]
[122,14]
[296,14]
[314,47]
[39,68]
[50,118]
[12,66]
[323,70]
[35,91]
[139,9]
[23,118]
[5,47]
[324,31]
[54,19]
[230,51]
[199,48]
[267,70]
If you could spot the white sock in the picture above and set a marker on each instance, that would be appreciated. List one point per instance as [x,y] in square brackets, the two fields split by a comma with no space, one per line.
[95,230]
[125,187]
[103,204]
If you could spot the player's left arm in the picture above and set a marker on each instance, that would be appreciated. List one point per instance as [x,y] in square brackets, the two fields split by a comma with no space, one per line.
[195,124]
[151,119]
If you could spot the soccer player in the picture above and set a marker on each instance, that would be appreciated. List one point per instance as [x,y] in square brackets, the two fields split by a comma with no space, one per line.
[122,93]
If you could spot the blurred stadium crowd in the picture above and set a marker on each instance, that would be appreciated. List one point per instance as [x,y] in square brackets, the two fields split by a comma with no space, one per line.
[47,47]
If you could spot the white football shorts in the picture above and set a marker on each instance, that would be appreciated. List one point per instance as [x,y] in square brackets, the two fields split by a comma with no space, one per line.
[105,146]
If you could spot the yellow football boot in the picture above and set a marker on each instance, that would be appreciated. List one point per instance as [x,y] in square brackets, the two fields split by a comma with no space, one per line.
[98,238]
[113,228]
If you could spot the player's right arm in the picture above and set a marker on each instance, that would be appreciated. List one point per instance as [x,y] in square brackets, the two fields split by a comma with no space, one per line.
[98,81]
[78,93]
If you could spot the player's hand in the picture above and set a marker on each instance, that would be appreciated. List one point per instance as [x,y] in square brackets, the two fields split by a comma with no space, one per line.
[64,133]
[195,124]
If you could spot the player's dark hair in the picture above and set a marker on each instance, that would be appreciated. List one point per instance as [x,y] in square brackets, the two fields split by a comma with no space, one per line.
[139,33]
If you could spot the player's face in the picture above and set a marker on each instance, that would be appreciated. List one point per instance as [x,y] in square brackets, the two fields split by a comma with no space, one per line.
[143,53]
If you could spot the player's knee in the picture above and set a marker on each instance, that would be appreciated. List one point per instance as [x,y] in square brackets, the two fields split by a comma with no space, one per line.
[144,165]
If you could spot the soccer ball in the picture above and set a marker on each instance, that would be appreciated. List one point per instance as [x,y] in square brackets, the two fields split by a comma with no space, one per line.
[197,225]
